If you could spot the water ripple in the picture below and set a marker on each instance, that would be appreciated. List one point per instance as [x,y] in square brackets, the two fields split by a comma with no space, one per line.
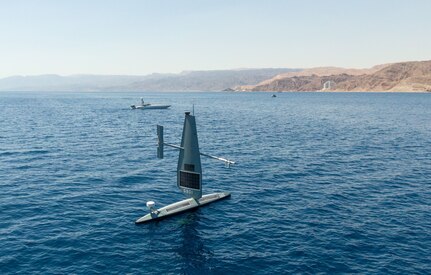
[324,183]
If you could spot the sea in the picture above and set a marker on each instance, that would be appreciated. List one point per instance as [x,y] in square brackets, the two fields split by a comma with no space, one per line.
[324,183]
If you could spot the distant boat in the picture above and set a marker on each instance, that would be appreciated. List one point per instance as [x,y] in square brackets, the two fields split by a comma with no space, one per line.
[274,95]
[145,106]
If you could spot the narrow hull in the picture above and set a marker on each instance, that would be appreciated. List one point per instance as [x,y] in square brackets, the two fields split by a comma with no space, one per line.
[146,107]
[182,206]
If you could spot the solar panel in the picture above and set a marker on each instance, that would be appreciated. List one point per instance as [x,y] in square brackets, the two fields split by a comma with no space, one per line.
[190,180]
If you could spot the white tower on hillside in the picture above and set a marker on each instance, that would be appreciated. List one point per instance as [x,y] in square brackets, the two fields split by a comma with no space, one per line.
[328,85]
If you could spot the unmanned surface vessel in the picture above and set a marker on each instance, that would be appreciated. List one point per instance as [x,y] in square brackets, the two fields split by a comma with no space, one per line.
[189,174]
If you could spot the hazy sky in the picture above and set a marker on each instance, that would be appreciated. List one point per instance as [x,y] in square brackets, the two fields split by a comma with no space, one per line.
[141,37]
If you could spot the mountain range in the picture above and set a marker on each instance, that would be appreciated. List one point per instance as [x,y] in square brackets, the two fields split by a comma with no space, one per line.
[216,80]
[396,77]
[414,76]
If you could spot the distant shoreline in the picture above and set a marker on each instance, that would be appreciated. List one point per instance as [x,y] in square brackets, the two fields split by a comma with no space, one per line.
[405,77]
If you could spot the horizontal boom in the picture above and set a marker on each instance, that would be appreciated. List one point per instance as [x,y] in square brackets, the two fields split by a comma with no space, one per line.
[161,144]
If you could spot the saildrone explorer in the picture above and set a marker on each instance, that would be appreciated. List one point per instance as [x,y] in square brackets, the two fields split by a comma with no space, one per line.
[189,174]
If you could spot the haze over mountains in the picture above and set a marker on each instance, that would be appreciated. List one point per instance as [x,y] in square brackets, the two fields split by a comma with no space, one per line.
[186,81]
[404,77]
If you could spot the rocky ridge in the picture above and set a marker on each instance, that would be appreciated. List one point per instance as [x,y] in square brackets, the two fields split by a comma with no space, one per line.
[396,77]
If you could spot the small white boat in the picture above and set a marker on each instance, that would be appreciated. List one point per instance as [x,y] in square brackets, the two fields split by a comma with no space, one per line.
[149,106]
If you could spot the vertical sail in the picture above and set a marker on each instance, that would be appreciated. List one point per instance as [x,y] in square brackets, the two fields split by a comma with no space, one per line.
[189,171]
[160,141]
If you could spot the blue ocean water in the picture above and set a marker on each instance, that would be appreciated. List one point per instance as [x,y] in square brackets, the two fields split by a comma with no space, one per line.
[324,183]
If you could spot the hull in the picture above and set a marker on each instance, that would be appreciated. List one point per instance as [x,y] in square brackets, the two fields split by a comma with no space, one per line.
[145,107]
[182,206]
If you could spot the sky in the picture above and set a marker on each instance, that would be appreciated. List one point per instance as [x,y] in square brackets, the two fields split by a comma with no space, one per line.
[138,37]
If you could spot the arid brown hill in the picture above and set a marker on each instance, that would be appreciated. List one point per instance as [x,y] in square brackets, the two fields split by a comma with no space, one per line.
[405,77]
